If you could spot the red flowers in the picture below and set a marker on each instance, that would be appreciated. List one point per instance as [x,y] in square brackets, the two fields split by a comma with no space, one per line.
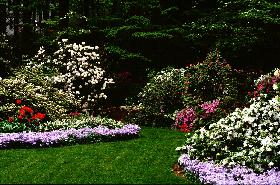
[10,119]
[39,116]
[27,113]
[25,110]
[74,114]
[18,102]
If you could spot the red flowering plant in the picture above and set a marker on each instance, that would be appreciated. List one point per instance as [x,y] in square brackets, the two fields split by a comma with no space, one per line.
[27,118]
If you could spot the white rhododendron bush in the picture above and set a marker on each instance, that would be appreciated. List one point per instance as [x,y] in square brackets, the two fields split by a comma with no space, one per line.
[247,137]
[78,70]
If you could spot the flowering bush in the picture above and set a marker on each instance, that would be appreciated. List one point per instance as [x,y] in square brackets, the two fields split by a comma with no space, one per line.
[78,71]
[33,83]
[247,137]
[84,120]
[195,117]
[161,96]
[68,136]
[209,80]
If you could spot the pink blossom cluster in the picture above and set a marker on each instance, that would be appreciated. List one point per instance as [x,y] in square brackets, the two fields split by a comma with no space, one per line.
[210,107]
[264,86]
[185,118]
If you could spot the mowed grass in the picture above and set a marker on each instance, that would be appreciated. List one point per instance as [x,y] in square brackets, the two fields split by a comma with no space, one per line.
[147,159]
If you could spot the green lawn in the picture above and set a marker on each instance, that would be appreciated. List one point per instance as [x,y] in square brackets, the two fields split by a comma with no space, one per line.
[147,159]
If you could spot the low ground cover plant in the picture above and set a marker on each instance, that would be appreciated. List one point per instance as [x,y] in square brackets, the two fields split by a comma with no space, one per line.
[246,140]
[67,136]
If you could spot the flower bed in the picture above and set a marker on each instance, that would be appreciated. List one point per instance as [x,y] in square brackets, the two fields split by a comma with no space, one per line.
[209,173]
[243,147]
[68,136]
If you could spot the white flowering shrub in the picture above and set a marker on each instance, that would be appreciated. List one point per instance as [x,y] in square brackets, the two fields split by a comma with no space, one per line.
[81,121]
[79,71]
[249,136]
[33,83]
[161,96]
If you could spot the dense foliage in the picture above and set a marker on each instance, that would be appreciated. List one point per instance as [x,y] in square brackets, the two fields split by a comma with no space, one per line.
[150,33]
[247,137]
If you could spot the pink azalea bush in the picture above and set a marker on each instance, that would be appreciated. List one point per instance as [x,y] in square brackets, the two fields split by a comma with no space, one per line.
[187,118]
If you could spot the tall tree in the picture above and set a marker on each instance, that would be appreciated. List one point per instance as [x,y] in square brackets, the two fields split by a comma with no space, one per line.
[3,16]
[46,9]
[63,10]
[27,34]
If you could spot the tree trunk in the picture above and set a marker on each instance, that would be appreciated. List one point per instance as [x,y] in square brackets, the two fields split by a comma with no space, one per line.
[46,9]
[16,5]
[63,10]
[86,7]
[27,34]
[3,16]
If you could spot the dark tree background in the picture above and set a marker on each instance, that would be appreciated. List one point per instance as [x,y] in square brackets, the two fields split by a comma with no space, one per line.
[137,36]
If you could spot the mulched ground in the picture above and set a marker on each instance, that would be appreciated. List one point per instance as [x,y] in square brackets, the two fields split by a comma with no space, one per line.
[178,170]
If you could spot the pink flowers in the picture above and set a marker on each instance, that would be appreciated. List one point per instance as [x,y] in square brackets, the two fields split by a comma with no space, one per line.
[185,118]
[265,86]
[209,107]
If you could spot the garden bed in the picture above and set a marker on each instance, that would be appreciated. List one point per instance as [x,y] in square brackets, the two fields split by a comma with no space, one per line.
[68,136]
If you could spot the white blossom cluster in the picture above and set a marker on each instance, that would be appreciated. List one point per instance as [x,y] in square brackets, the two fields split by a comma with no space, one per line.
[81,121]
[79,70]
[248,137]
[31,83]
[167,76]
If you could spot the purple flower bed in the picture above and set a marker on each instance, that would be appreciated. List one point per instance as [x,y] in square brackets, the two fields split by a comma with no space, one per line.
[65,136]
[209,173]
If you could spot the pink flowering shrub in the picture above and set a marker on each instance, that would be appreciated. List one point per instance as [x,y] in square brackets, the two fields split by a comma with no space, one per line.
[192,117]
[185,118]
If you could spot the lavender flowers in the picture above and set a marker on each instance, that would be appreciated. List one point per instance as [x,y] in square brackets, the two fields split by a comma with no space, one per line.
[65,136]
[209,173]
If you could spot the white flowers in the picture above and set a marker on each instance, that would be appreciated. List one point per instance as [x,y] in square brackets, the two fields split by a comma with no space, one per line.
[244,136]
[277,72]
[80,72]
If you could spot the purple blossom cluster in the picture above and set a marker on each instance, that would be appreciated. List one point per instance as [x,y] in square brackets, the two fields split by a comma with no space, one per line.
[209,173]
[210,107]
[60,136]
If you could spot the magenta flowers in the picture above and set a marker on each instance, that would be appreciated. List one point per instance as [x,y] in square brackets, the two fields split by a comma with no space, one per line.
[185,119]
[210,107]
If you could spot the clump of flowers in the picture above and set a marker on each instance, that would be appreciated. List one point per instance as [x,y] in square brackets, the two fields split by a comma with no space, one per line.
[248,136]
[184,119]
[266,84]
[209,107]
[67,136]
[209,173]
[33,83]
[79,70]
[189,118]
[25,119]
